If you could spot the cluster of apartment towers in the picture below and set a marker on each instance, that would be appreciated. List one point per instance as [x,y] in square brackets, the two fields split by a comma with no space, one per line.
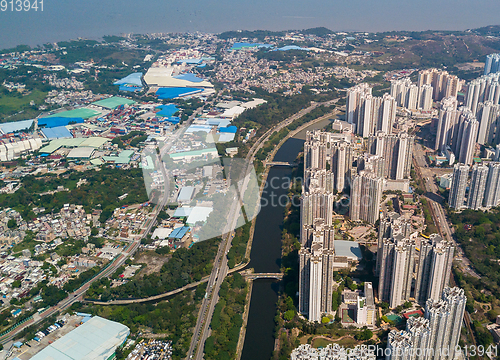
[383,162]
[403,272]
[461,131]
[328,169]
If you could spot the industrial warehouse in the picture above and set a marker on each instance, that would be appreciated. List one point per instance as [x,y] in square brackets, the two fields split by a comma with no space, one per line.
[96,339]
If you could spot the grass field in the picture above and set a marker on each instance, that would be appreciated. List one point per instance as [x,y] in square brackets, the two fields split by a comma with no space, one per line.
[13,103]
[348,342]
[321,343]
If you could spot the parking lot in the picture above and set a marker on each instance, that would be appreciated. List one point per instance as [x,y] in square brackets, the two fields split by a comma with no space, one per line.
[32,347]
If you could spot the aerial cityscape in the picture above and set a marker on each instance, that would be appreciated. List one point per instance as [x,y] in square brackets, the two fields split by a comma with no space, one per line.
[310,194]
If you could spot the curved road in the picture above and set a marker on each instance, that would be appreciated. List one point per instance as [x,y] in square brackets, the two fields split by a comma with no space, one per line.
[114,264]
[220,270]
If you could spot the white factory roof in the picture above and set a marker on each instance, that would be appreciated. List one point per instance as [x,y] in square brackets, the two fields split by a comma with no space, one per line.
[199,213]
[10,151]
[97,339]
[81,152]
[233,112]
[161,233]
[228,104]
[254,103]
[226,137]
[186,194]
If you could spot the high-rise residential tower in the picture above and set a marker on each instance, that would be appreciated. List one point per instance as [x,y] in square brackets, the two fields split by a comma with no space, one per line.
[316,263]
[396,150]
[464,144]
[391,225]
[444,84]
[397,261]
[341,163]
[456,196]
[366,194]
[434,337]
[318,179]
[492,190]
[327,158]
[480,90]
[434,269]
[445,322]
[370,113]
[492,64]
[372,163]
[353,101]
[411,96]
[488,116]
[447,120]
[477,186]
[424,100]
[314,206]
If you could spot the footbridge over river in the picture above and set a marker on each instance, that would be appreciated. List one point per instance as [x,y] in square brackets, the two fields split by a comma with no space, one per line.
[280,163]
[249,274]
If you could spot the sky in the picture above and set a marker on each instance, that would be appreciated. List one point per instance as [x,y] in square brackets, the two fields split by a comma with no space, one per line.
[69,19]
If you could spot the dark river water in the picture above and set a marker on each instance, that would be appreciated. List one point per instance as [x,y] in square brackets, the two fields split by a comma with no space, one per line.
[266,257]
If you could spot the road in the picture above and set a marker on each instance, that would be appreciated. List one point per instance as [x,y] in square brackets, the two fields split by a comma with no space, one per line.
[120,260]
[78,294]
[435,201]
[220,270]
[161,296]
[220,266]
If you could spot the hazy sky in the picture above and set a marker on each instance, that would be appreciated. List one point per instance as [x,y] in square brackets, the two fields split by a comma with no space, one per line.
[67,19]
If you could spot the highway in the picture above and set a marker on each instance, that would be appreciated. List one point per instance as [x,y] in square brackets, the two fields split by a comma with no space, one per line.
[220,269]
[435,200]
[120,260]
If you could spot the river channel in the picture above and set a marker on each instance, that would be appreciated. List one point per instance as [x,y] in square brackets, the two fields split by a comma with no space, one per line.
[266,252]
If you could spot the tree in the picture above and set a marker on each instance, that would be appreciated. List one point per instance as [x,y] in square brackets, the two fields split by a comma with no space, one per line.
[337,317]
[164,250]
[289,315]
[12,223]
[366,334]
[52,295]
[162,215]
[336,299]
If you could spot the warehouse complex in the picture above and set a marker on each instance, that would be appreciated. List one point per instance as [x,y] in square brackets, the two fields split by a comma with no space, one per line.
[96,339]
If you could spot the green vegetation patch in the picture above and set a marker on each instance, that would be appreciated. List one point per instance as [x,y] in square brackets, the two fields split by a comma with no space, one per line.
[184,267]
[174,318]
[236,254]
[101,191]
[113,102]
[227,319]
[14,102]
[481,243]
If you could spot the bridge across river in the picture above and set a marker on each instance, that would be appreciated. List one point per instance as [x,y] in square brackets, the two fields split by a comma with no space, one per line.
[255,276]
[280,163]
